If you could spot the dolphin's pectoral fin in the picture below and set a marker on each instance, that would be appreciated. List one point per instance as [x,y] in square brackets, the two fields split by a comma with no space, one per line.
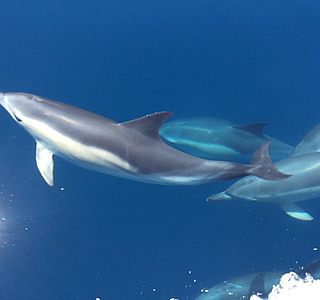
[45,163]
[220,196]
[295,211]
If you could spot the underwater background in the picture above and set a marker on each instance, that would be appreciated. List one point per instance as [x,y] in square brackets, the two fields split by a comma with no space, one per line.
[97,236]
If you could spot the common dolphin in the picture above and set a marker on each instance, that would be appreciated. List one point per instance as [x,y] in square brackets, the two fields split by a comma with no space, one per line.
[213,138]
[131,149]
[304,184]
[244,287]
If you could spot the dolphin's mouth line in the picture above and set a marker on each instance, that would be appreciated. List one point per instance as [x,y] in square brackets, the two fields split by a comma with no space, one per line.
[8,108]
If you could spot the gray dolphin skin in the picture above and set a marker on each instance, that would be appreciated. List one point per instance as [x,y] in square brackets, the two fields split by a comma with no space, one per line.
[131,149]
[304,184]
[261,284]
[213,138]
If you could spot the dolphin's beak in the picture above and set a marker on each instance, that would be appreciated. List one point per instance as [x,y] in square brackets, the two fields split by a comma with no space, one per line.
[4,103]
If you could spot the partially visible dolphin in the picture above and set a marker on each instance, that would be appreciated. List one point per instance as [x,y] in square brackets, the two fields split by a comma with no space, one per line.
[261,284]
[131,149]
[304,184]
[213,138]
[310,143]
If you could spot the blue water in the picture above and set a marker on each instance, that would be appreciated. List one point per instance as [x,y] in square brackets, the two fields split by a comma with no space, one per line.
[96,236]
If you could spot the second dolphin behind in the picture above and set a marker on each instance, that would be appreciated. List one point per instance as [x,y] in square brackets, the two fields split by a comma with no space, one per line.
[213,138]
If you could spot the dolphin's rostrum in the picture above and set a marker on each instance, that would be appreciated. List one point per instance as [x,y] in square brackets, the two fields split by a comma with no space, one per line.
[131,149]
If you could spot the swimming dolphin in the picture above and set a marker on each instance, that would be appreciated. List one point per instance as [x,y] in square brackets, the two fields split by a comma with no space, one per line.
[213,138]
[261,284]
[131,149]
[304,184]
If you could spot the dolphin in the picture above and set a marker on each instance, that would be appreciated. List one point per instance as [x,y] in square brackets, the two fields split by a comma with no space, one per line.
[304,184]
[131,149]
[213,138]
[261,284]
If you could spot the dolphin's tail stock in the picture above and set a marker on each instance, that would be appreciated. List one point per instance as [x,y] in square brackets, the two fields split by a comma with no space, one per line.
[263,167]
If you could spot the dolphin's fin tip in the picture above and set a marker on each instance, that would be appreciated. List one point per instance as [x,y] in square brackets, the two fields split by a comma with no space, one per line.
[295,211]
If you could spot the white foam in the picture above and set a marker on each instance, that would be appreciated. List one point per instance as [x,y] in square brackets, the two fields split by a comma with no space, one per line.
[292,287]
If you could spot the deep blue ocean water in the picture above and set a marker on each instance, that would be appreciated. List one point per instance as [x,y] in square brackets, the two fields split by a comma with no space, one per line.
[96,236]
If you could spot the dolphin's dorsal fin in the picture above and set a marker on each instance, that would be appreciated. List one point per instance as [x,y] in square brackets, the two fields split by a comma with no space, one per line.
[254,128]
[295,211]
[308,144]
[257,286]
[149,125]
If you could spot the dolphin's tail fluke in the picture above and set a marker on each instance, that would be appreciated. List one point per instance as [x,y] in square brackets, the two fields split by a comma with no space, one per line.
[262,165]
